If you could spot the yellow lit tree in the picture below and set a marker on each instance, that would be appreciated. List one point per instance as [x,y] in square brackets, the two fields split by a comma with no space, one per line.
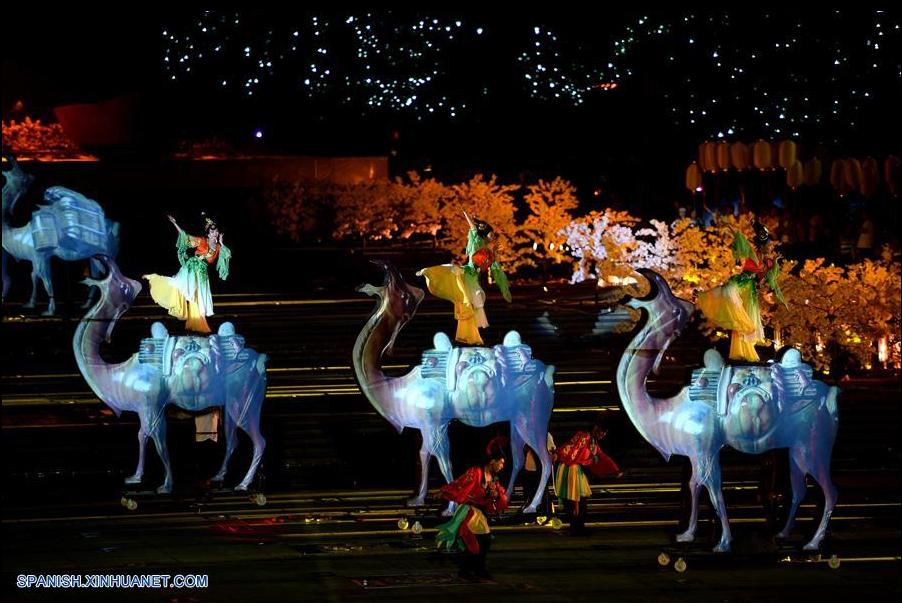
[541,239]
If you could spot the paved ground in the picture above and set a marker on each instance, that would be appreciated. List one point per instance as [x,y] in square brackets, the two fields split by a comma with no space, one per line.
[337,477]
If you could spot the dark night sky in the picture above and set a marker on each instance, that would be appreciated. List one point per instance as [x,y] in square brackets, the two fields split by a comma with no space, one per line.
[830,79]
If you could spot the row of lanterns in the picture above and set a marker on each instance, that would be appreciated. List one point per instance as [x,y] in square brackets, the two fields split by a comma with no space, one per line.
[846,175]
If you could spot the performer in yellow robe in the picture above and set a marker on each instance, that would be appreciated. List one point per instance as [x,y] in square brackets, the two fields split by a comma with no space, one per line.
[734,305]
[187,294]
[460,284]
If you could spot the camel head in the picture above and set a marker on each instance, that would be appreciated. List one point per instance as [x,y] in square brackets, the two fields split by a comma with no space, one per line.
[15,185]
[399,300]
[667,314]
[117,293]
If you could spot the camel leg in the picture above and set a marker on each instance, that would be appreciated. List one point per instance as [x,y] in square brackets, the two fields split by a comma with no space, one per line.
[158,433]
[34,286]
[231,427]
[537,439]
[251,425]
[797,478]
[442,453]
[694,487]
[820,470]
[425,457]
[142,449]
[712,483]
[42,268]
[517,457]
[6,279]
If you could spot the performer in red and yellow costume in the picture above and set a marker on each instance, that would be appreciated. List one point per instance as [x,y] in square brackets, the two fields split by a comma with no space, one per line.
[460,284]
[187,294]
[734,305]
[570,483]
[477,493]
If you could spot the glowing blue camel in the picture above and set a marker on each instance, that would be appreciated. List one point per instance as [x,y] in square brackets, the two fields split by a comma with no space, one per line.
[749,408]
[192,372]
[86,232]
[477,386]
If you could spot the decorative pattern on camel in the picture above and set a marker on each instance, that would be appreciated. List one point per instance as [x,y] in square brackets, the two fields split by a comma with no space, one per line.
[475,385]
[71,227]
[192,372]
[751,408]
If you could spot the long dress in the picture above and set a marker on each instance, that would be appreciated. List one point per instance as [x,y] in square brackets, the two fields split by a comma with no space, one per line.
[469,520]
[460,285]
[570,482]
[187,294]
[734,305]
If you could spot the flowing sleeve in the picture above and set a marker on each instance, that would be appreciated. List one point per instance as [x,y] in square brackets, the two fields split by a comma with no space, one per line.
[501,280]
[222,264]
[742,249]
[458,490]
[773,280]
[474,242]
[182,244]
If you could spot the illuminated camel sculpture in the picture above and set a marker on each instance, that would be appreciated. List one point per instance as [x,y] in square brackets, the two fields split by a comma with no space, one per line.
[749,408]
[85,233]
[475,385]
[192,372]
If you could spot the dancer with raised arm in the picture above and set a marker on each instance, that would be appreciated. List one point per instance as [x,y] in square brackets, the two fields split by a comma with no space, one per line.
[460,284]
[187,294]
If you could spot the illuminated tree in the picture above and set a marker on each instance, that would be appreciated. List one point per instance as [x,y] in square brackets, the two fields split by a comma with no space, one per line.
[541,237]
[483,199]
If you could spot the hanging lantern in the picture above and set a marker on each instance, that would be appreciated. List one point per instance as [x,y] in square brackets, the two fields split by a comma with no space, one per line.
[795,176]
[739,155]
[701,157]
[891,171]
[694,177]
[710,157]
[813,172]
[836,169]
[851,174]
[870,177]
[761,155]
[723,156]
[786,153]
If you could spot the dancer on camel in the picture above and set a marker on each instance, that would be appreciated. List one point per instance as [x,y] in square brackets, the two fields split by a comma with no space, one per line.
[460,284]
[734,305]
[187,294]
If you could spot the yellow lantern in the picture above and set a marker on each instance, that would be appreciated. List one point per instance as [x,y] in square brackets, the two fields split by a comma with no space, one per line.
[701,157]
[723,156]
[795,176]
[761,155]
[693,177]
[851,174]
[891,171]
[786,153]
[739,155]
[870,177]
[836,169]
[710,160]
[813,172]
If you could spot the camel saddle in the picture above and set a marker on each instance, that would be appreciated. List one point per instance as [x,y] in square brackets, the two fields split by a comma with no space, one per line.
[508,363]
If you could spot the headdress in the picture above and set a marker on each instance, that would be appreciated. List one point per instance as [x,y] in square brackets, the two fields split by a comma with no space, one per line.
[209,224]
[762,234]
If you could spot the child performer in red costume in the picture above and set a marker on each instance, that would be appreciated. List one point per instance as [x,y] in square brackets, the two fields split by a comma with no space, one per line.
[478,494]
[570,482]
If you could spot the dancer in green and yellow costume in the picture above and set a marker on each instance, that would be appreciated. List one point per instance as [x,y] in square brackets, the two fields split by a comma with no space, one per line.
[460,284]
[734,305]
